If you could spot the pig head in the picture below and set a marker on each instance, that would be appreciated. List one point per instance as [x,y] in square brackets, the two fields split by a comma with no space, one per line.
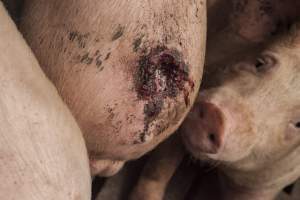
[250,123]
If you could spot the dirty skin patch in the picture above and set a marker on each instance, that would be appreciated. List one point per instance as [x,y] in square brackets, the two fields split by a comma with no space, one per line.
[137,43]
[80,39]
[92,57]
[161,73]
[118,33]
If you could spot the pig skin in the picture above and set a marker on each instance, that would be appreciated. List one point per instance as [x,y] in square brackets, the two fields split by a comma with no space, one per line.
[42,150]
[128,70]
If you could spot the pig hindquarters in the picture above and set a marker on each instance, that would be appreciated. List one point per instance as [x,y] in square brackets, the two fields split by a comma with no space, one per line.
[42,151]
[128,70]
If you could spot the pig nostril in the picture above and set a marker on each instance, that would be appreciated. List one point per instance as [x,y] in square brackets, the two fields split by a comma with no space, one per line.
[211,137]
[297,125]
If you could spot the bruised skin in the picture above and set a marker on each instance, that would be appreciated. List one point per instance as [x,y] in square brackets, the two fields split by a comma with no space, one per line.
[128,70]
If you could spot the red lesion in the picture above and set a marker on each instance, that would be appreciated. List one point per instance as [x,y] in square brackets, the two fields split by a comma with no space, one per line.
[161,73]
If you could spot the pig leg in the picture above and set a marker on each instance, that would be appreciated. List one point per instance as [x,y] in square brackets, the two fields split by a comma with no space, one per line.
[158,171]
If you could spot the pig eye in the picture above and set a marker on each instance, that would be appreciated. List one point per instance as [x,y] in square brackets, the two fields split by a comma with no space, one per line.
[264,63]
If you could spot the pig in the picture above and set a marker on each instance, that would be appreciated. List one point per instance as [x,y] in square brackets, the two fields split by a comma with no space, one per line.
[249,126]
[42,150]
[247,123]
[128,70]
[251,123]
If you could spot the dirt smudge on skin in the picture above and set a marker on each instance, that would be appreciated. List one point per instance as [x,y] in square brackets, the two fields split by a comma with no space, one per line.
[118,33]
[79,38]
[82,41]
[86,59]
[161,73]
[107,56]
[98,61]
[137,43]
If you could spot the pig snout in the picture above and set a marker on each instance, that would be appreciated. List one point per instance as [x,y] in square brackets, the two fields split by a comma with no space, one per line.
[206,133]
